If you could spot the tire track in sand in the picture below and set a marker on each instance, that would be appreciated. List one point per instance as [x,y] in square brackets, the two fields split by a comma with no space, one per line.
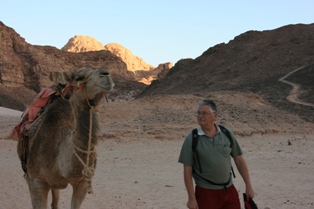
[295,92]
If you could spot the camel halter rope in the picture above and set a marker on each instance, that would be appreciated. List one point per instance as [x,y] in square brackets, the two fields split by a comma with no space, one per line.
[89,170]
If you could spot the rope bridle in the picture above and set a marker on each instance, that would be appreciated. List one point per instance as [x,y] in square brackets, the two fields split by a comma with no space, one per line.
[89,170]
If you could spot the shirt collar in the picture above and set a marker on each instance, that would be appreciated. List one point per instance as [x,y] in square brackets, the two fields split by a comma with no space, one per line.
[200,131]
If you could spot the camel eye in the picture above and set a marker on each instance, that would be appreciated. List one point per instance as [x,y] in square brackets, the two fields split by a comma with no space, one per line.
[79,78]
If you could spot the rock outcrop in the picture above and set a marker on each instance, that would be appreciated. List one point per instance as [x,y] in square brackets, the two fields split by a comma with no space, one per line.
[86,44]
[157,73]
[163,70]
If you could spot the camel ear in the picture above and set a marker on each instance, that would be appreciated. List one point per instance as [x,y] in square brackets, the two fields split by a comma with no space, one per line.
[54,76]
[67,76]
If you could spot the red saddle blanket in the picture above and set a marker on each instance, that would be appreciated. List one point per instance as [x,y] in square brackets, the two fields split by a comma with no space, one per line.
[31,113]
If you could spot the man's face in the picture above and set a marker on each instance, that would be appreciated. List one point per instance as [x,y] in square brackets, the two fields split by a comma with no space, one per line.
[205,116]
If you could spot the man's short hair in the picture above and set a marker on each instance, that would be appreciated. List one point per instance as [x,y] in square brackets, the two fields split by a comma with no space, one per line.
[210,103]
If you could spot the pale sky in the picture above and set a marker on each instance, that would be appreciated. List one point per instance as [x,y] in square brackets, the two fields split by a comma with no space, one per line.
[157,31]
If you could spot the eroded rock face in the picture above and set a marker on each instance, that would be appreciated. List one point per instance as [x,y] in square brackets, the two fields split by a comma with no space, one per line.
[12,51]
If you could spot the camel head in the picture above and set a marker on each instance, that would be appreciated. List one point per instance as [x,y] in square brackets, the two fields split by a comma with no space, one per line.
[88,86]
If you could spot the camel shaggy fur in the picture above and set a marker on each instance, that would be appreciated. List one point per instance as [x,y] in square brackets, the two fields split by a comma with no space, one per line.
[62,150]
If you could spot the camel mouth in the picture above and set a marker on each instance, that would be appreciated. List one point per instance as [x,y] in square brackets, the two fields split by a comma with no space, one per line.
[106,87]
[107,84]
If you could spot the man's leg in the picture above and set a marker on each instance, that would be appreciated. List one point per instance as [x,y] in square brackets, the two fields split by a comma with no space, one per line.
[232,198]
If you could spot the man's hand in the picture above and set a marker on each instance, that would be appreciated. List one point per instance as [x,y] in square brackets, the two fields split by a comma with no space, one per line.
[192,204]
[249,193]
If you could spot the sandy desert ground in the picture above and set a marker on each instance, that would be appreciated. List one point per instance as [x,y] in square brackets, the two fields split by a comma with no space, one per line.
[139,146]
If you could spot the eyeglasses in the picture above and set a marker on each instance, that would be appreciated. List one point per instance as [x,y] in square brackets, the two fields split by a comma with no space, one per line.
[202,113]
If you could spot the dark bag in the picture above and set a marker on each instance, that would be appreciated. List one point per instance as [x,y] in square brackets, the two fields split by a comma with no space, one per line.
[249,204]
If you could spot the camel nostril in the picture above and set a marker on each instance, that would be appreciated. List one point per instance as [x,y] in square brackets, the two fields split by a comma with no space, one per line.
[104,73]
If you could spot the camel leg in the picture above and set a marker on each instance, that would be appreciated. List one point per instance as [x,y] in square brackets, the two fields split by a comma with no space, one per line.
[39,193]
[55,198]
[79,193]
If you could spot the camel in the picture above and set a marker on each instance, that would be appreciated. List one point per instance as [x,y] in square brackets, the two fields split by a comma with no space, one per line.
[62,150]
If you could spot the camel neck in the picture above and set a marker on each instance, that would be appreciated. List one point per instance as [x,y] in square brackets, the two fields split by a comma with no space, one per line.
[84,125]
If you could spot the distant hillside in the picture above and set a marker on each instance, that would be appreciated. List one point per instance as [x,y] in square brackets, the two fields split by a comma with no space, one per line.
[86,44]
[252,62]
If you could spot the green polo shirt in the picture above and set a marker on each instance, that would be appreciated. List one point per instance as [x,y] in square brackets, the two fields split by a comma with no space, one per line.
[214,154]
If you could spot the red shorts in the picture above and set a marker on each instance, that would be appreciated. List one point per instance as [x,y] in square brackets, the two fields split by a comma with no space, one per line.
[217,199]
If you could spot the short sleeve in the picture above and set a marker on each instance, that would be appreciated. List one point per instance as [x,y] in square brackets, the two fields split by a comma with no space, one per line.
[236,149]
[186,154]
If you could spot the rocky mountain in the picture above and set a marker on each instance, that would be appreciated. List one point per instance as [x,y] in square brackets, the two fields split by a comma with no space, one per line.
[86,44]
[24,68]
[255,61]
